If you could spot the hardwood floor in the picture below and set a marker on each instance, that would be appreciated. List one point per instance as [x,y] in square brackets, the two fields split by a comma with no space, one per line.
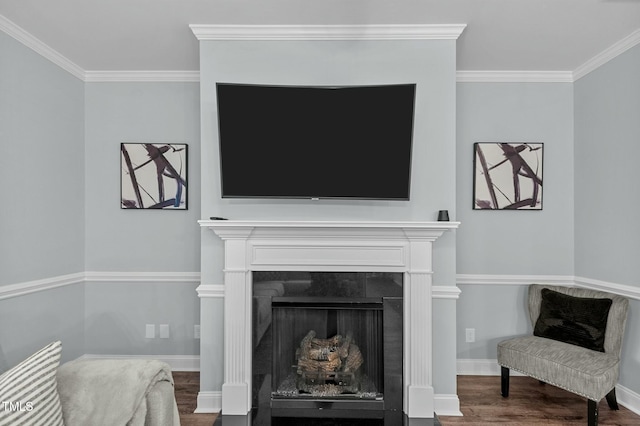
[529,403]
[187,385]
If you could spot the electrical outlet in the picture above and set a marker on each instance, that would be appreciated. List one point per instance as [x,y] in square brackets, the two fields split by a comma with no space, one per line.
[470,335]
[196,331]
[164,331]
[150,331]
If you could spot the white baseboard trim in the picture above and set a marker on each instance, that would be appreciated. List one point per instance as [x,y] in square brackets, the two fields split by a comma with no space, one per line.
[209,402]
[176,362]
[446,404]
[628,398]
[489,367]
[480,367]
[477,367]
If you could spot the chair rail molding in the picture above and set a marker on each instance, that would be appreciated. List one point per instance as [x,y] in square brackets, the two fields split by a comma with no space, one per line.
[28,287]
[500,279]
[563,280]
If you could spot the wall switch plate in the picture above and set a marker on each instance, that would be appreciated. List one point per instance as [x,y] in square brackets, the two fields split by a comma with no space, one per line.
[470,335]
[150,331]
[164,331]
[196,331]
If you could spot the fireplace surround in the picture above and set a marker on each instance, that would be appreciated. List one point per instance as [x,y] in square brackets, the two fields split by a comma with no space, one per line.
[329,246]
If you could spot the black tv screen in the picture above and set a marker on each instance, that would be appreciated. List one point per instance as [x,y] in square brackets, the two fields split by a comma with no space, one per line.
[315,142]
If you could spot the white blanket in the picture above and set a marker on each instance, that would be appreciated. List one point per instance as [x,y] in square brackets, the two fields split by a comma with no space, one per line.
[110,392]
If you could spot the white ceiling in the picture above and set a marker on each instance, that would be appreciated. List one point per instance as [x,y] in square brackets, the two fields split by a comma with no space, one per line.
[154,35]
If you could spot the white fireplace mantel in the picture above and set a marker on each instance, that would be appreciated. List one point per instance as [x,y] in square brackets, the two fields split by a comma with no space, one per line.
[331,246]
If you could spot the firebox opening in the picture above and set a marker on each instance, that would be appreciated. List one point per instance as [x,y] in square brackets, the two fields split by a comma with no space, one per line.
[327,344]
[327,348]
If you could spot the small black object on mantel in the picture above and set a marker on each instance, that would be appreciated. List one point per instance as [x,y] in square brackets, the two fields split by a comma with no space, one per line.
[217,218]
[443,216]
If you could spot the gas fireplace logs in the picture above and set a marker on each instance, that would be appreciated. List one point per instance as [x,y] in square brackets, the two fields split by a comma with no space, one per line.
[328,367]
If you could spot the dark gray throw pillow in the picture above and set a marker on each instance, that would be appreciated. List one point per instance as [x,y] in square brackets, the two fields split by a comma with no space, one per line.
[580,321]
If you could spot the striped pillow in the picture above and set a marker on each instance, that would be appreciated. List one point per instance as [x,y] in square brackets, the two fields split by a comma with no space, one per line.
[28,392]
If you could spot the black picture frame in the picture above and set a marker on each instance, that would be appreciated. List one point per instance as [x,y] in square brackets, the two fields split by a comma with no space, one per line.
[507,175]
[153,176]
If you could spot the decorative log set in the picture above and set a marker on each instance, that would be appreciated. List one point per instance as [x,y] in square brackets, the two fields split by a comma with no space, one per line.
[328,367]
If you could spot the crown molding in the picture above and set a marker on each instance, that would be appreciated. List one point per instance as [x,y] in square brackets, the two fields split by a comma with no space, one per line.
[319,32]
[608,54]
[39,47]
[141,76]
[514,77]
[327,32]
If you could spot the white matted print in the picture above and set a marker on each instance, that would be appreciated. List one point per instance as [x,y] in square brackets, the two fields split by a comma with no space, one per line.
[507,176]
[153,176]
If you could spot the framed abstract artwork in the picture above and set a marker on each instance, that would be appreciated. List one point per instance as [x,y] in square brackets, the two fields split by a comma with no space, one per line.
[153,176]
[507,176]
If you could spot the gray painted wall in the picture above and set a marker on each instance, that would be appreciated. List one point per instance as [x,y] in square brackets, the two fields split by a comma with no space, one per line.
[60,140]
[511,242]
[517,242]
[139,240]
[119,240]
[42,214]
[430,64]
[607,111]
[42,166]
[28,323]
[116,314]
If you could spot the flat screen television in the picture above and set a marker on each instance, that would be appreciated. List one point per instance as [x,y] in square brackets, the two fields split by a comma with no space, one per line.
[345,142]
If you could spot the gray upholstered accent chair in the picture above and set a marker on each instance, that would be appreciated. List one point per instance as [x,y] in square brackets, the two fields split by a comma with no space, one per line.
[587,372]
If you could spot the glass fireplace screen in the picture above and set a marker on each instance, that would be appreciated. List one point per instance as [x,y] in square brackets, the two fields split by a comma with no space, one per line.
[320,336]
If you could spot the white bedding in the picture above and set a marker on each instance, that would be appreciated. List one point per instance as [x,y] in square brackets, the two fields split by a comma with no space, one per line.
[114,392]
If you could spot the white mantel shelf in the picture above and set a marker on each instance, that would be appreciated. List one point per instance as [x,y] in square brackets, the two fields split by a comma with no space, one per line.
[331,246]
[315,224]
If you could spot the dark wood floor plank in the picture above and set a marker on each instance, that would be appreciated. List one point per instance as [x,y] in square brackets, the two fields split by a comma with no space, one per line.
[529,404]
[187,386]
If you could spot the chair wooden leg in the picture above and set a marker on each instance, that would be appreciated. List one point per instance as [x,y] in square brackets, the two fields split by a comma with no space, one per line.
[611,400]
[504,381]
[592,412]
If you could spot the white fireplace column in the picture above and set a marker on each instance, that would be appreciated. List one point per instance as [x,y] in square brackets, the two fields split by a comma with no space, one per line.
[329,246]
[418,350]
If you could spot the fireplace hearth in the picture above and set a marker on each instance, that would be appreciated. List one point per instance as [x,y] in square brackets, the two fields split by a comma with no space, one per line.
[391,419]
